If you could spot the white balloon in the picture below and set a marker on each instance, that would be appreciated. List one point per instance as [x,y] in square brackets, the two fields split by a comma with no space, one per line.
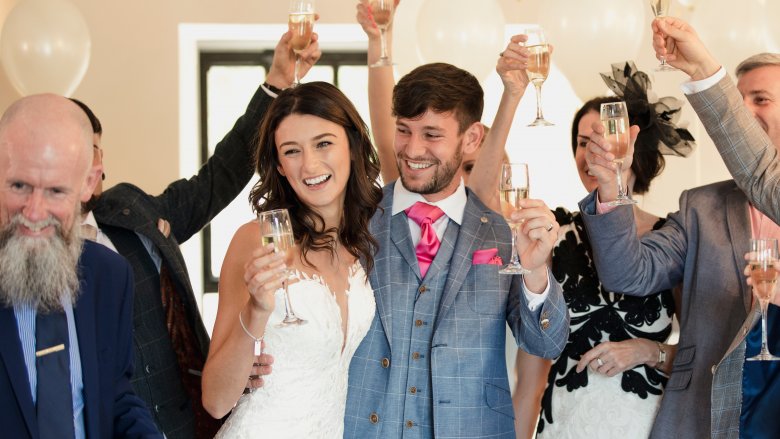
[733,33]
[462,33]
[590,35]
[45,47]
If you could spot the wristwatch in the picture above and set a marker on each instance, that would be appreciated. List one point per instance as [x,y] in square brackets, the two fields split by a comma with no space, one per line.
[661,354]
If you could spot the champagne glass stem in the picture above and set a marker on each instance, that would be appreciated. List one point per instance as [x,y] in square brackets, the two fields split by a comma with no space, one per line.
[383,43]
[297,80]
[515,259]
[619,174]
[764,304]
[538,85]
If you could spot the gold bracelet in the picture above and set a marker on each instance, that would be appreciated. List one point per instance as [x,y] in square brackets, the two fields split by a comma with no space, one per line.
[258,341]
[661,354]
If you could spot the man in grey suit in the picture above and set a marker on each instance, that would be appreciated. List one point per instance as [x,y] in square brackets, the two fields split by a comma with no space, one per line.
[703,246]
[170,340]
[432,364]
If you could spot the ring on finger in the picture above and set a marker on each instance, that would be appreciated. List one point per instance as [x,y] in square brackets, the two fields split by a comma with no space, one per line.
[549,227]
[599,361]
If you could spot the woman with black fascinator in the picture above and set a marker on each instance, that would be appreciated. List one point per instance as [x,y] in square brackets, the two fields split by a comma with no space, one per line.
[619,395]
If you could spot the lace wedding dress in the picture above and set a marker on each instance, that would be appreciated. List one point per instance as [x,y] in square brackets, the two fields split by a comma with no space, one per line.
[305,395]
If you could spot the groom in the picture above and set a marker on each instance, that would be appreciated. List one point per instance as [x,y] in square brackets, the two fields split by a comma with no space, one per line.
[432,364]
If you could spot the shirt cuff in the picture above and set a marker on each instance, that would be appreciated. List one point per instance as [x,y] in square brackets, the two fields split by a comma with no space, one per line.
[534,300]
[603,207]
[692,87]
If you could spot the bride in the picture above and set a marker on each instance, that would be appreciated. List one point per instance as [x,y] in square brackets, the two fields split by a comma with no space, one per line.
[314,158]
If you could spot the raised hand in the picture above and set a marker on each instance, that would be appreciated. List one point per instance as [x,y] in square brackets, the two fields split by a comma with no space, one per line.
[599,157]
[677,42]
[282,72]
[512,64]
[365,19]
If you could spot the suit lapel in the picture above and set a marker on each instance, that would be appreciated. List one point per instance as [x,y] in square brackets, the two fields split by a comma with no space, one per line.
[754,315]
[738,220]
[13,359]
[475,226]
[84,313]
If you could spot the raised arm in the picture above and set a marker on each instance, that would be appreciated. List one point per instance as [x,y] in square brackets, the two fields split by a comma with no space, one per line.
[751,155]
[250,275]
[511,67]
[380,92]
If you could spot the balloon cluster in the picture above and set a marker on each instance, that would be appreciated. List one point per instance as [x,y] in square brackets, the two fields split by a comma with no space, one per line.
[45,47]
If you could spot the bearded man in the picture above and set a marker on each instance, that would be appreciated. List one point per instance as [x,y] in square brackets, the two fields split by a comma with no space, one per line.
[65,304]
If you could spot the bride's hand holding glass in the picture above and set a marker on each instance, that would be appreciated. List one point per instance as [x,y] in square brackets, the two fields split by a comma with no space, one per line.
[601,161]
[264,274]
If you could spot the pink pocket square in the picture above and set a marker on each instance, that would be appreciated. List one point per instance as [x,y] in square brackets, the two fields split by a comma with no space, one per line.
[486,256]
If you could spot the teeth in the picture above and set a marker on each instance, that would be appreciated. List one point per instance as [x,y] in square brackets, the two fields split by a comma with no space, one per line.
[316,180]
[419,165]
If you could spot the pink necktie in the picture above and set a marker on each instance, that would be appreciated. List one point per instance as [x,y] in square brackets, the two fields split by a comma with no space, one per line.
[425,215]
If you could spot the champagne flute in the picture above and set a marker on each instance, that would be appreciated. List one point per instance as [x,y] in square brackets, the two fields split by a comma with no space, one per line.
[614,118]
[661,9]
[276,228]
[763,254]
[301,24]
[382,11]
[538,69]
[513,187]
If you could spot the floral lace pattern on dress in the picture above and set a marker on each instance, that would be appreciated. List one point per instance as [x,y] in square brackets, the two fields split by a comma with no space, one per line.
[598,315]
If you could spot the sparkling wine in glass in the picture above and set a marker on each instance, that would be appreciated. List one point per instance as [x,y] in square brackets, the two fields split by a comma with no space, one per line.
[614,118]
[382,11]
[763,254]
[538,69]
[276,228]
[661,9]
[301,24]
[513,187]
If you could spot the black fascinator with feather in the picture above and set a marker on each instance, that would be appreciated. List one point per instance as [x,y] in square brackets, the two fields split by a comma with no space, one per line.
[657,121]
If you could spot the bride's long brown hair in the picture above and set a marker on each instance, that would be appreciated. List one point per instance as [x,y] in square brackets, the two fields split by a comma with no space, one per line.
[363,193]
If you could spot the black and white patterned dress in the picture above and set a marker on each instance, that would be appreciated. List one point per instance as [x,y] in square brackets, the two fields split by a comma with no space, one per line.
[587,404]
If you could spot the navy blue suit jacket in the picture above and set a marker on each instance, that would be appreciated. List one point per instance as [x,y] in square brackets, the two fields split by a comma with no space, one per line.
[103,316]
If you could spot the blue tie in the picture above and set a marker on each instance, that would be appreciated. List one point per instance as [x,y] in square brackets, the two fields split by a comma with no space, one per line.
[52,363]
[761,383]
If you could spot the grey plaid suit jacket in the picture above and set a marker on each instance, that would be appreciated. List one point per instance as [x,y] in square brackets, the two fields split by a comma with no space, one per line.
[469,391]
[746,149]
[703,246]
[188,206]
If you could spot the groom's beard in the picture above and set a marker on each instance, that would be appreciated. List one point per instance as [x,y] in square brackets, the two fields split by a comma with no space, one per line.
[39,271]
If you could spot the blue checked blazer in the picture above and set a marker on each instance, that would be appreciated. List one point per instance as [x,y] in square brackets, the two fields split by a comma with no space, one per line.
[467,389]
[703,246]
[748,152]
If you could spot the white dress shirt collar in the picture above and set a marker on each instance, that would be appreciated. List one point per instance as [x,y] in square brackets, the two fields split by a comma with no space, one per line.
[452,206]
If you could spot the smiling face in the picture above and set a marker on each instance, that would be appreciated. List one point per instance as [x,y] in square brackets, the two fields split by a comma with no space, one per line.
[45,167]
[429,151]
[760,89]
[314,156]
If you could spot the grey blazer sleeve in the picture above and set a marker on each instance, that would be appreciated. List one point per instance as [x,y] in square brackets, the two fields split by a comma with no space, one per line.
[190,204]
[625,263]
[748,152]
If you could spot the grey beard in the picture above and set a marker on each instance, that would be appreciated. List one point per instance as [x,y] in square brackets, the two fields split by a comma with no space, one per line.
[39,272]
